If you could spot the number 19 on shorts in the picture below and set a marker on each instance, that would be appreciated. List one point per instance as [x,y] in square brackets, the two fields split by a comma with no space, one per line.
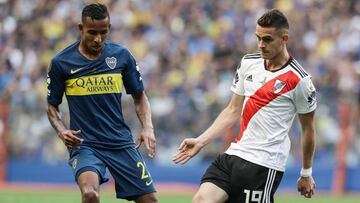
[253,196]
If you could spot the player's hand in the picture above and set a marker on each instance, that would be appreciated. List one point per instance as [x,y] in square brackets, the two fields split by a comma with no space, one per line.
[188,148]
[69,138]
[306,186]
[147,136]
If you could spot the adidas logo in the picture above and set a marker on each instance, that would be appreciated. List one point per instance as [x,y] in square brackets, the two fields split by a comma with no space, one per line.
[249,78]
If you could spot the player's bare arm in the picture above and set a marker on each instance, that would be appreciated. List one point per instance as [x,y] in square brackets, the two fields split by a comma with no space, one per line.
[306,184]
[226,119]
[67,136]
[143,111]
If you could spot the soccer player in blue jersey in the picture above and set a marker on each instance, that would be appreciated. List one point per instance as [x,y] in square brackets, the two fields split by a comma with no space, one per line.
[93,72]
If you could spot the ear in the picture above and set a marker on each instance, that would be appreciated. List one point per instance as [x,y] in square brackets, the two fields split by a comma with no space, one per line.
[285,37]
[80,27]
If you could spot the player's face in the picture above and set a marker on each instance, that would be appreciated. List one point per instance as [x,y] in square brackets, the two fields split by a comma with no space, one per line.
[93,34]
[271,42]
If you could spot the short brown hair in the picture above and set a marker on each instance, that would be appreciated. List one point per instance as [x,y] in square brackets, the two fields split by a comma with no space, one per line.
[273,18]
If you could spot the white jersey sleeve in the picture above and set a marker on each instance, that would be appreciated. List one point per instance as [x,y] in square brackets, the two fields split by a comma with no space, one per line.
[305,96]
[238,84]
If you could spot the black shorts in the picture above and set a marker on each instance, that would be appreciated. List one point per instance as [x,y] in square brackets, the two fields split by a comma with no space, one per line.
[243,181]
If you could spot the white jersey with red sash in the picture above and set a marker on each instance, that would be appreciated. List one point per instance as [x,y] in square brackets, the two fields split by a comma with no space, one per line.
[272,99]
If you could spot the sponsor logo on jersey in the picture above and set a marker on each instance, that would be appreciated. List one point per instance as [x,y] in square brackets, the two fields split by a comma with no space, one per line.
[236,79]
[148,183]
[48,81]
[111,62]
[74,163]
[311,87]
[138,70]
[73,71]
[312,98]
[249,78]
[278,86]
[94,84]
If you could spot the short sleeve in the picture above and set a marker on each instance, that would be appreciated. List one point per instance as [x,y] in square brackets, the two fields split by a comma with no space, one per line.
[305,96]
[238,83]
[55,84]
[131,76]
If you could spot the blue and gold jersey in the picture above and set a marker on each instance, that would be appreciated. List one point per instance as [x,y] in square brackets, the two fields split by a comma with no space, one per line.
[93,89]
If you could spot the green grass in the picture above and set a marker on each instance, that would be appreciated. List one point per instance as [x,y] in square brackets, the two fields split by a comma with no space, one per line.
[13,196]
[73,197]
[316,199]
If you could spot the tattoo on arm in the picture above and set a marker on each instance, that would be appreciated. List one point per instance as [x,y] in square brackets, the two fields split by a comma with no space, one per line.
[54,117]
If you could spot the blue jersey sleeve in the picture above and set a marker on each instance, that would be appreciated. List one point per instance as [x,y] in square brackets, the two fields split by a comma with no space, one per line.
[131,76]
[56,84]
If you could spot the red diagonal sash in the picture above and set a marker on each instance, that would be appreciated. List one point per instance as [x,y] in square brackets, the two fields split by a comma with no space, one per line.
[265,95]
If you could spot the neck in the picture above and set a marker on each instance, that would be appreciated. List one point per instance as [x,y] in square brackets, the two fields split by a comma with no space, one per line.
[278,61]
[86,53]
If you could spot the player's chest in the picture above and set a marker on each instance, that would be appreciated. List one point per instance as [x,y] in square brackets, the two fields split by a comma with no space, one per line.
[106,65]
[255,79]
[265,82]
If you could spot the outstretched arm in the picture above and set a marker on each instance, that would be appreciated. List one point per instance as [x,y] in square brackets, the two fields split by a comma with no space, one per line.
[306,184]
[67,136]
[143,111]
[227,118]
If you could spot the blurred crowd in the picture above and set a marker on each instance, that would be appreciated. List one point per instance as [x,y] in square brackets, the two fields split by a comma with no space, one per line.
[188,51]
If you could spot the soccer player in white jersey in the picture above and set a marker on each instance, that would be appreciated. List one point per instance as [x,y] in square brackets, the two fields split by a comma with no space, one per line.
[270,88]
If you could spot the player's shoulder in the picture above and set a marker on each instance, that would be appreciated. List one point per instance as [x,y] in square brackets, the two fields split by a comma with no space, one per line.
[66,53]
[252,56]
[250,60]
[298,69]
[113,45]
[115,48]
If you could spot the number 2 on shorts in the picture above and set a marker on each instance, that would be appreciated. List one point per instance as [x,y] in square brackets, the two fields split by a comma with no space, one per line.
[143,172]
